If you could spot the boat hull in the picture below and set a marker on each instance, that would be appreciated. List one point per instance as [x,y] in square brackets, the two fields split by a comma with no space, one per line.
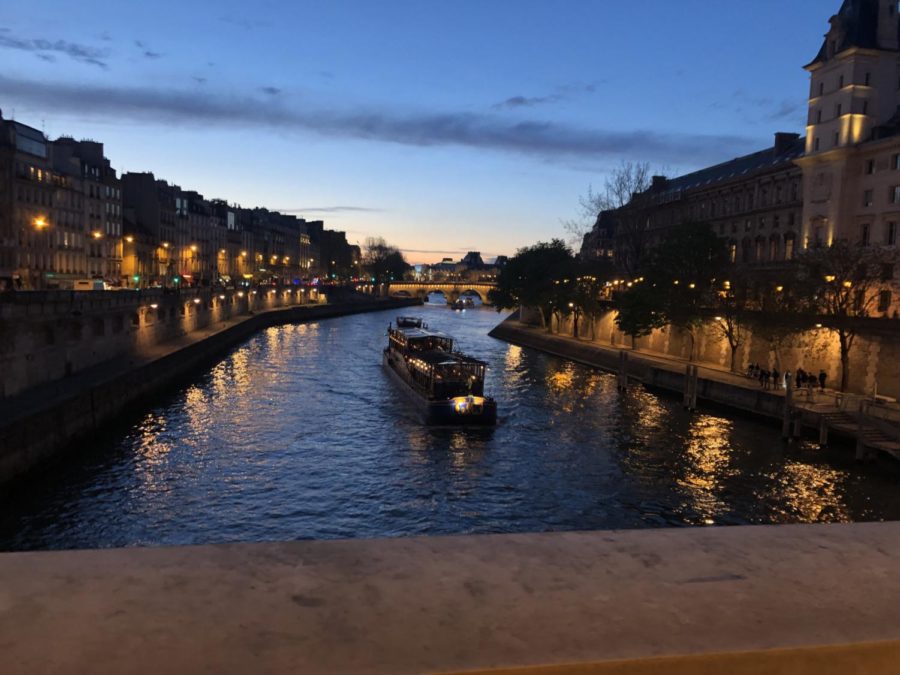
[450,412]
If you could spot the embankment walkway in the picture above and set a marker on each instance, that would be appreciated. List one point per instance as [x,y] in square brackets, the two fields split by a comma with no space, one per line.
[786,599]
[715,384]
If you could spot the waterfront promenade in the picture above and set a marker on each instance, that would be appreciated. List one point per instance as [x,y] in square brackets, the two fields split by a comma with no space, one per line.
[721,386]
[775,599]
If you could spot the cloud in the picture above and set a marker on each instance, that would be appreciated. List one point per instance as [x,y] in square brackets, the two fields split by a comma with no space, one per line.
[271,91]
[543,139]
[44,48]
[562,92]
[243,22]
[331,209]
[148,53]
[526,102]
[198,80]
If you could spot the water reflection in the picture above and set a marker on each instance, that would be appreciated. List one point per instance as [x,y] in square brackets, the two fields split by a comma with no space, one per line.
[299,434]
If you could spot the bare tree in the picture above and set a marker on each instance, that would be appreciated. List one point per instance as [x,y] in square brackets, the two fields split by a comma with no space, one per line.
[841,283]
[620,184]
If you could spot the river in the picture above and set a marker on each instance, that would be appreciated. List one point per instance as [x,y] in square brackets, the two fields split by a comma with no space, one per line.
[298,434]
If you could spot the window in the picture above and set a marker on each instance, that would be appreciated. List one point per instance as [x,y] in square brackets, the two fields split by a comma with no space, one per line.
[864,231]
[841,82]
[884,301]
[789,248]
[822,88]
[895,162]
[868,79]
[818,116]
[887,272]
[776,222]
[870,166]
[732,252]
[816,145]
[865,109]
[837,110]
[867,197]
[837,137]
[891,234]
[895,194]
[747,226]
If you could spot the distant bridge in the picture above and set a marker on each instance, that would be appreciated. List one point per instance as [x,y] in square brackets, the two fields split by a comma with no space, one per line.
[451,289]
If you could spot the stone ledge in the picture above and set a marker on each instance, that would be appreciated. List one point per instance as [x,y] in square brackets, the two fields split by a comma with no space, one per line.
[617,601]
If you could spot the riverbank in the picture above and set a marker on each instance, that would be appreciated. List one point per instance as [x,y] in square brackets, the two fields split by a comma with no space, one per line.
[776,599]
[807,408]
[720,387]
[42,422]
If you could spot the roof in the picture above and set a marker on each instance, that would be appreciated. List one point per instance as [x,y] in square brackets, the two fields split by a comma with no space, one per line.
[856,24]
[735,168]
[417,333]
[436,357]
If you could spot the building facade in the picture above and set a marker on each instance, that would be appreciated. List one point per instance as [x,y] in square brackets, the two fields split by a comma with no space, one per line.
[840,182]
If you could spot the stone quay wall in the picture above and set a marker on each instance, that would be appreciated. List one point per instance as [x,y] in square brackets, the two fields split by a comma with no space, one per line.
[46,336]
[49,418]
[874,358]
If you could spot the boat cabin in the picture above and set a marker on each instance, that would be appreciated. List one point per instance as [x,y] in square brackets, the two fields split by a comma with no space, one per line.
[410,340]
[445,376]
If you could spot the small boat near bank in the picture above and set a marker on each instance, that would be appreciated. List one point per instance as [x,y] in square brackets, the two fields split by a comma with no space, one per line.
[445,385]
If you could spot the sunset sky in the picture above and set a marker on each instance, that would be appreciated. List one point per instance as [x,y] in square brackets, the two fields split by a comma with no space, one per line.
[443,127]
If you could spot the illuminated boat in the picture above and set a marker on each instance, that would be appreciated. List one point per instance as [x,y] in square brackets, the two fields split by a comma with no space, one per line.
[462,303]
[445,385]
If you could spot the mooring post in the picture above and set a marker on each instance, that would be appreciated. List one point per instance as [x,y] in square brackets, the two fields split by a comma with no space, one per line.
[788,409]
[823,431]
[623,370]
[860,441]
[695,385]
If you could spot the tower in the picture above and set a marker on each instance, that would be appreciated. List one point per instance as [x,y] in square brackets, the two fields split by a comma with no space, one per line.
[854,94]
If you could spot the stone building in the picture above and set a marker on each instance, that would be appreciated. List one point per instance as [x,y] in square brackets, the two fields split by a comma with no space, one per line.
[60,210]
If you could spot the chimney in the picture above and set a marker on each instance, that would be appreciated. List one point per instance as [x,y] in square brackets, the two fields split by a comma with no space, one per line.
[784,141]
[658,183]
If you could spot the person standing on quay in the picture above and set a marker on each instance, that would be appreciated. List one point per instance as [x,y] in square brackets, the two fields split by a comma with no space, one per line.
[822,377]
[775,375]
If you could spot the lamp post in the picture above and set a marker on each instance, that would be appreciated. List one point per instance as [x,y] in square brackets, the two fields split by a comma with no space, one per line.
[41,224]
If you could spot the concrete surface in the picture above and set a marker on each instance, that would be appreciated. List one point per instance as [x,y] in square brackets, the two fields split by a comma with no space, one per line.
[812,598]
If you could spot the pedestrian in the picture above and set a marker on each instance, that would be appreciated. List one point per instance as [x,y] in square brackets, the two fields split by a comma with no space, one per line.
[787,379]
[800,377]
[775,374]
[822,377]
[760,377]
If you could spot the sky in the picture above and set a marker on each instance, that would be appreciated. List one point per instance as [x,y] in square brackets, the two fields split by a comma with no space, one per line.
[443,127]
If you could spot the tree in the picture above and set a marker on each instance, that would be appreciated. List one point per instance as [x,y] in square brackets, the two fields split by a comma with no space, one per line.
[685,268]
[382,261]
[590,290]
[639,311]
[621,183]
[527,279]
[841,283]
[731,322]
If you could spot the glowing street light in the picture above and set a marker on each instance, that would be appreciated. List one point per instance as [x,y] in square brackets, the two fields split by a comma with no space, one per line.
[39,223]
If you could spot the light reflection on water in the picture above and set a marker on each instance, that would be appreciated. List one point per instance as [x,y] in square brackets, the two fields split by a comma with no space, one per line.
[298,434]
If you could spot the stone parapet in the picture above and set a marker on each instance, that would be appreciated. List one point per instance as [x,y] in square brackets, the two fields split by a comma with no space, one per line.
[776,599]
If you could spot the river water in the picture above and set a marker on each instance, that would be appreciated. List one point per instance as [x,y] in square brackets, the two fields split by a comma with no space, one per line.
[298,434]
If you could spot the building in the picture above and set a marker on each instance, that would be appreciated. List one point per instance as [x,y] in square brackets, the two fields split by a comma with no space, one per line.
[60,211]
[842,181]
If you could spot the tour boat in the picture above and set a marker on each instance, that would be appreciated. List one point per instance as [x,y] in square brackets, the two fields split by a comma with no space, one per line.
[447,386]
[462,303]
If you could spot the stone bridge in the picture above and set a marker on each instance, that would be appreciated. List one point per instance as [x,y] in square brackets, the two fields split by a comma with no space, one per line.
[451,289]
